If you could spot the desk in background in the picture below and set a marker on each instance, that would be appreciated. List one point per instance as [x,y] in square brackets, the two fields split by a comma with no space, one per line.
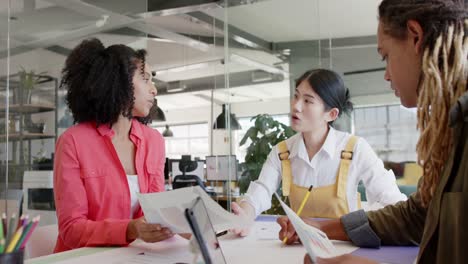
[223,200]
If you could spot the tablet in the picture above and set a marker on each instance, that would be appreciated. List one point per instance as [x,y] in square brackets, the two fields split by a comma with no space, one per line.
[204,233]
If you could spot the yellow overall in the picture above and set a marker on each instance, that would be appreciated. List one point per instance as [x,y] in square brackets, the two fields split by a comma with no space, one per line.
[324,202]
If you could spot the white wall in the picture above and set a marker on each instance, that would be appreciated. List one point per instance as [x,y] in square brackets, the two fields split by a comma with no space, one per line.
[375,100]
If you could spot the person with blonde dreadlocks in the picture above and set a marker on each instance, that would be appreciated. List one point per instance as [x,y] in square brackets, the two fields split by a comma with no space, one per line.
[425,45]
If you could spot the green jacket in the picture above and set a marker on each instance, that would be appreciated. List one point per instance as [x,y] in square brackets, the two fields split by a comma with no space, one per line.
[441,229]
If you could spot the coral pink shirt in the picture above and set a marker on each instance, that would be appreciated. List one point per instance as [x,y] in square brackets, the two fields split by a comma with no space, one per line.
[91,191]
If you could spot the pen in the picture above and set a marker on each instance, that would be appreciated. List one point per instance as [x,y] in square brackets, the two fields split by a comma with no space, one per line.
[222,233]
[306,197]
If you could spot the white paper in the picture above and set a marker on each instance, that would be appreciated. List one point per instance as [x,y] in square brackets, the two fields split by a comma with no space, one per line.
[266,231]
[174,250]
[252,250]
[314,240]
[167,209]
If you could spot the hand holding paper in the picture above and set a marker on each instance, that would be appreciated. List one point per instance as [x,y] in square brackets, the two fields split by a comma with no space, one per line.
[139,228]
[167,209]
[314,240]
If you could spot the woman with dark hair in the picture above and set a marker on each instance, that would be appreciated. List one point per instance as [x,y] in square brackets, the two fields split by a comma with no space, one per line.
[425,45]
[110,154]
[331,161]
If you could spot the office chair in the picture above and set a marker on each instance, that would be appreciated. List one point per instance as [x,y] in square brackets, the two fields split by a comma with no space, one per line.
[184,180]
[187,180]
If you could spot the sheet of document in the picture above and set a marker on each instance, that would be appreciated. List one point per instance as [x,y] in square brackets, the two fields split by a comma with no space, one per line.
[174,250]
[167,209]
[266,231]
[253,250]
[314,240]
[256,248]
[250,249]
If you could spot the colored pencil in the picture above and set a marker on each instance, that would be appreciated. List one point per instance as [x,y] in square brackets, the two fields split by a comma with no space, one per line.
[20,222]
[25,221]
[14,240]
[2,245]
[11,228]
[4,223]
[34,223]
[2,236]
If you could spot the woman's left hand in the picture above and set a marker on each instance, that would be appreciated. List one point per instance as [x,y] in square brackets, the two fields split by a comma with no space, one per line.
[139,228]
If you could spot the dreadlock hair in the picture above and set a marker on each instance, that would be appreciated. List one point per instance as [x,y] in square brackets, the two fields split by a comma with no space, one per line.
[99,81]
[443,77]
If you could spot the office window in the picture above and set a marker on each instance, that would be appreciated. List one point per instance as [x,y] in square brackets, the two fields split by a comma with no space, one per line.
[390,130]
[189,139]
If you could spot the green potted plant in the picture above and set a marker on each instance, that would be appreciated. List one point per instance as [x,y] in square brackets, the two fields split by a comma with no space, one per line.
[27,81]
[40,161]
[263,136]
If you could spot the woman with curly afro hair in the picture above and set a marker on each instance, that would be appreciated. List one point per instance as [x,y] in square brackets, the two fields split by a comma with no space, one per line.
[109,154]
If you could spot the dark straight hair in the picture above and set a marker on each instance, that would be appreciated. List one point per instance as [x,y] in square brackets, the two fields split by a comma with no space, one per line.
[330,87]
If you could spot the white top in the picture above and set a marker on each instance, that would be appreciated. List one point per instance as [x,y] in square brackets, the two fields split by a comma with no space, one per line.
[134,189]
[381,187]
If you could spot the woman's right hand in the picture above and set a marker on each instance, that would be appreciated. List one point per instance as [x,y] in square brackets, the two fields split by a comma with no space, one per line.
[287,229]
[139,228]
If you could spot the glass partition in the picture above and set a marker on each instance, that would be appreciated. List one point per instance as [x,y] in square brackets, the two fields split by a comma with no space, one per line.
[271,43]
[225,73]
[41,35]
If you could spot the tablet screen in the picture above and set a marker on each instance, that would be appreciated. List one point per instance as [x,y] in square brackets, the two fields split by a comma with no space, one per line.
[202,221]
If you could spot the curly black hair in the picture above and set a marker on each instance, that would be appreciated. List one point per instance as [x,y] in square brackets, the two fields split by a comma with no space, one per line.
[99,81]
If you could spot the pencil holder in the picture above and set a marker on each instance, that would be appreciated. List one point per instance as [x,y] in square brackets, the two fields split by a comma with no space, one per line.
[16,257]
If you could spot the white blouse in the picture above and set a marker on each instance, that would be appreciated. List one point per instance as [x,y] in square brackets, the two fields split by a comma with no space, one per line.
[134,189]
[381,187]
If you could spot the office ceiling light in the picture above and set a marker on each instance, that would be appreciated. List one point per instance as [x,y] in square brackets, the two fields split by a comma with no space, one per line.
[188,67]
[167,132]
[156,113]
[102,21]
[257,65]
[261,76]
[221,123]
[161,40]
[176,86]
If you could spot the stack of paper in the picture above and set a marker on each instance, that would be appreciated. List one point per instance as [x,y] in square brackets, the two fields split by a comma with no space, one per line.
[167,209]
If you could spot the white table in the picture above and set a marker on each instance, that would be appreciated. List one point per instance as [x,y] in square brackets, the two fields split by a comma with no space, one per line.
[262,246]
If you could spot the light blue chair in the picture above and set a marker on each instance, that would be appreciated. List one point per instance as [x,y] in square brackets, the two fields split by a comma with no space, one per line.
[406,189]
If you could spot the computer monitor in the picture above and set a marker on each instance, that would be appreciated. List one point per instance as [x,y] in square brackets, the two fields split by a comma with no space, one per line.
[199,171]
[221,168]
